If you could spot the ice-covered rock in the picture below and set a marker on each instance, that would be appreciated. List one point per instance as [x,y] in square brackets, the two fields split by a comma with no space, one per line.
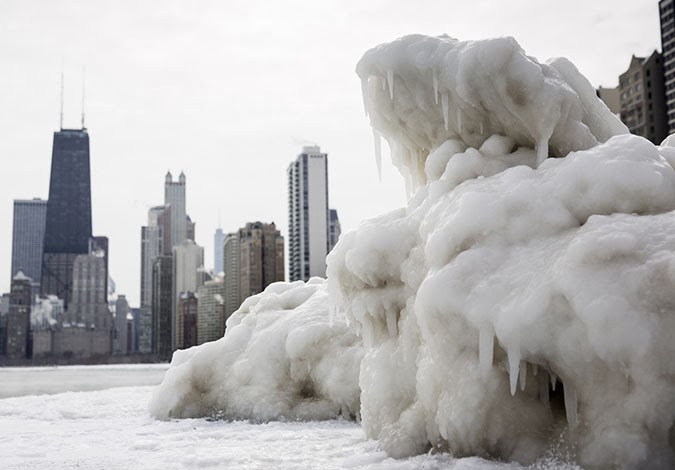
[505,264]
[280,359]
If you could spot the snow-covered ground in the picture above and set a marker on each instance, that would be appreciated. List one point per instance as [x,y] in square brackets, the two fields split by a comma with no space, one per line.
[110,428]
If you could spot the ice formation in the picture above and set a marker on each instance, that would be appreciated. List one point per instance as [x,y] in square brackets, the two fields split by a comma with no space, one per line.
[508,271]
[515,299]
[280,359]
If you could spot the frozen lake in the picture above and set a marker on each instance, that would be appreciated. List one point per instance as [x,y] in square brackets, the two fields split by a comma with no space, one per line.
[95,417]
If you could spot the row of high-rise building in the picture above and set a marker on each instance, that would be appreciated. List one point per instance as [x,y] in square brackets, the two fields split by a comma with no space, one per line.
[182,304]
[58,304]
[62,303]
[645,97]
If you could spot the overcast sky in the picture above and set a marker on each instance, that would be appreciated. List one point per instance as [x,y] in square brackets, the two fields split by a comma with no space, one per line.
[229,91]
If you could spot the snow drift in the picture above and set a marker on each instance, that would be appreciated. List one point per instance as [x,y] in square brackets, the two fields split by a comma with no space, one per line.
[517,301]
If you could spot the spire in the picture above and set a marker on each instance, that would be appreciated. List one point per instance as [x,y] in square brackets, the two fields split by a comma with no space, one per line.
[168,178]
[83,72]
[181,178]
[61,120]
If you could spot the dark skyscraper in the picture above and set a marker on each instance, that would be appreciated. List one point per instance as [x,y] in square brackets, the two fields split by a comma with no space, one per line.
[68,226]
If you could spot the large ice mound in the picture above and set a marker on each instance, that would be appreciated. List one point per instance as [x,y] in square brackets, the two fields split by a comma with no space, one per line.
[281,359]
[518,302]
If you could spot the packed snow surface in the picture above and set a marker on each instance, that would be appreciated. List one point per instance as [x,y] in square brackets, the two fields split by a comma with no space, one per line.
[111,429]
[517,301]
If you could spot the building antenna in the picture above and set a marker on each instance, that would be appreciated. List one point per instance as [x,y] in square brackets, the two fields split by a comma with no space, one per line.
[61,122]
[83,94]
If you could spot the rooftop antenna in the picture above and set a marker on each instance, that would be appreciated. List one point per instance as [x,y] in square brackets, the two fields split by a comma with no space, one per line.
[83,73]
[61,122]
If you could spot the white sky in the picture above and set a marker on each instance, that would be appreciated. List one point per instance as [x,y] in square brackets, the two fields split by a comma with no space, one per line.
[228,92]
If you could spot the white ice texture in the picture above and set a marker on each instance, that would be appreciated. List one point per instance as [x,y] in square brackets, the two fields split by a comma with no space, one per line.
[516,302]
[281,359]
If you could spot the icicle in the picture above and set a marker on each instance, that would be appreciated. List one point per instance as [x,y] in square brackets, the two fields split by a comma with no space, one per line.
[554,379]
[435,80]
[378,153]
[364,94]
[571,406]
[535,369]
[514,365]
[390,82]
[391,323]
[444,103]
[522,376]
[543,388]
[459,119]
[481,128]
[486,344]
[331,312]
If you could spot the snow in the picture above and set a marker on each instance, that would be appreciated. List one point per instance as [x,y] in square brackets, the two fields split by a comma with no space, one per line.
[112,429]
[506,270]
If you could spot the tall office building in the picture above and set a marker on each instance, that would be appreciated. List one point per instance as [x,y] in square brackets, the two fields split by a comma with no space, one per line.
[308,214]
[218,260]
[68,219]
[188,267]
[667,17]
[89,304]
[162,301]
[174,196]
[642,98]
[28,235]
[122,339]
[231,270]
[261,258]
[18,319]
[155,241]
[188,305]
[211,311]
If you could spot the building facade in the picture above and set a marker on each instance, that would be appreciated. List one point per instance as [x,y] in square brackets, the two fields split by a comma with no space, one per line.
[667,21]
[218,256]
[334,229]
[211,311]
[188,305]
[261,258]
[308,214]
[89,304]
[188,268]
[174,196]
[28,235]
[68,219]
[231,270]
[18,318]
[162,301]
[642,98]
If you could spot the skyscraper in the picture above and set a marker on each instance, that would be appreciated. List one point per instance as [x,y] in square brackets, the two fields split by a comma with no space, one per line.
[211,311]
[68,220]
[162,300]
[642,98]
[667,17]
[18,319]
[174,196]
[28,235]
[218,240]
[261,258]
[308,214]
[155,241]
[188,266]
[231,270]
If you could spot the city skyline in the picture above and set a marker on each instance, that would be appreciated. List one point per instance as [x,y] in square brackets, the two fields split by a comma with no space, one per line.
[229,96]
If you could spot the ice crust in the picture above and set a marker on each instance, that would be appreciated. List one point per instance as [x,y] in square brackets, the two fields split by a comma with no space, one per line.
[516,302]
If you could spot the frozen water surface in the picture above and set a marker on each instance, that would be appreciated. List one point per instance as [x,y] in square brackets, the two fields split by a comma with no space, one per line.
[112,429]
